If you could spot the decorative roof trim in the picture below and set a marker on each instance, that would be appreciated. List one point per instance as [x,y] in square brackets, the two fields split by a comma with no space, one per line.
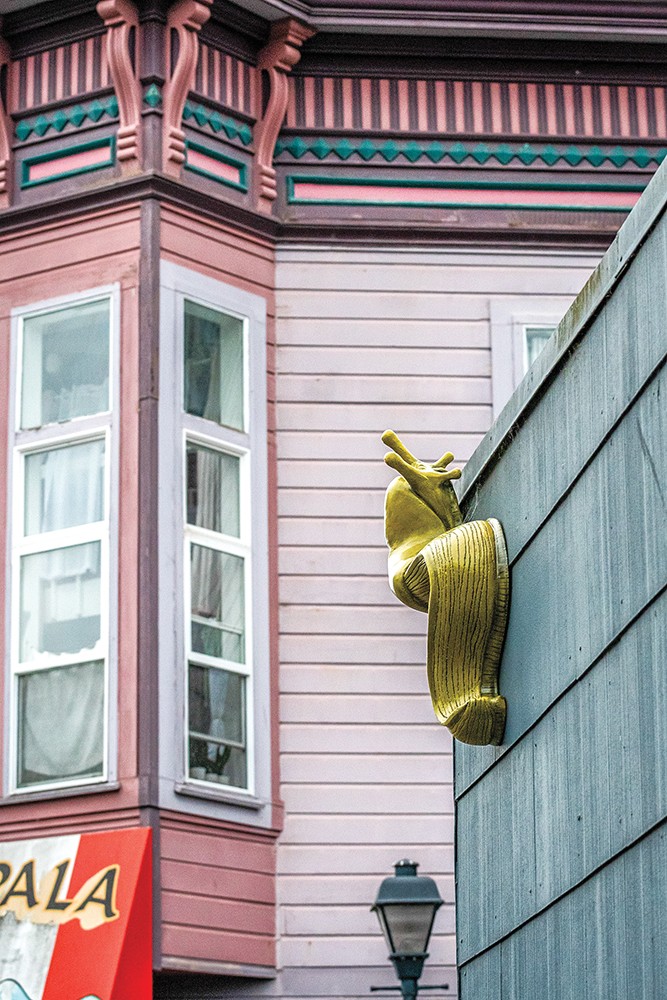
[480,152]
[186,18]
[5,145]
[209,118]
[120,17]
[75,115]
[601,19]
[277,58]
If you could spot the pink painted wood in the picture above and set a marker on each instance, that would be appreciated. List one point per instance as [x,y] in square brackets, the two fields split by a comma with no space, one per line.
[120,17]
[78,68]
[212,165]
[5,133]
[218,892]
[279,56]
[186,19]
[78,161]
[468,106]
[314,192]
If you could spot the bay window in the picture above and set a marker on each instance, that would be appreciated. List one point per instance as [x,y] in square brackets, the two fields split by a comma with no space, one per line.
[60,594]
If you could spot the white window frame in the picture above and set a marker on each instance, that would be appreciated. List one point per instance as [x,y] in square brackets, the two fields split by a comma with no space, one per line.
[22,443]
[509,319]
[177,428]
[241,547]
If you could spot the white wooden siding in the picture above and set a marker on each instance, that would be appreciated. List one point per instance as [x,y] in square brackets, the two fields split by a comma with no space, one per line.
[369,339]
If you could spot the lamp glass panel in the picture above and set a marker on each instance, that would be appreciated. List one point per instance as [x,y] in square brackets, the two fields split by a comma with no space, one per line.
[408,926]
[385,930]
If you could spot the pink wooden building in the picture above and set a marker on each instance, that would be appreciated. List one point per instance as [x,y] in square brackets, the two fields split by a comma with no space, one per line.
[238,242]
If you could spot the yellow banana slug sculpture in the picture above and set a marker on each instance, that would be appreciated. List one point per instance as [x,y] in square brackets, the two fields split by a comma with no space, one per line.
[458,573]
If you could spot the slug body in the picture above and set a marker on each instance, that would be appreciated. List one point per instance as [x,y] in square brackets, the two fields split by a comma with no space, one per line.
[458,574]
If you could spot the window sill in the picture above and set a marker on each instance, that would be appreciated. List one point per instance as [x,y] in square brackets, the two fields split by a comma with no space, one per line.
[219,794]
[18,798]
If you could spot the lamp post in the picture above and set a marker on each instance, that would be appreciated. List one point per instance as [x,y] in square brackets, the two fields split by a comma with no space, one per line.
[406,906]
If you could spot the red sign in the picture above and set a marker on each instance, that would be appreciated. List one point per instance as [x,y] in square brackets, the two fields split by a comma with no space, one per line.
[76,917]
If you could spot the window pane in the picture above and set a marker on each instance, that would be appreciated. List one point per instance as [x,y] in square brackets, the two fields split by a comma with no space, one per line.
[61,723]
[536,338]
[213,489]
[65,364]
[64,487]
[218,605]
[60,601]
[217,710]
[213,365]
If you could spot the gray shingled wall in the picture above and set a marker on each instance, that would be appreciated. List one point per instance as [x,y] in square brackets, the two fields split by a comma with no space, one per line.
[561,859]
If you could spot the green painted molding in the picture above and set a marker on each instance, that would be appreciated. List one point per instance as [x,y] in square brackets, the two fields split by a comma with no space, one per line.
[109,143]
[242,184]
[206,118]
[75,115]
[507,186]
[481,152]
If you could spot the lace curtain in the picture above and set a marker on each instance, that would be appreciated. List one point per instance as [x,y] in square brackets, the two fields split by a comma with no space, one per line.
[62,708]
[61,722]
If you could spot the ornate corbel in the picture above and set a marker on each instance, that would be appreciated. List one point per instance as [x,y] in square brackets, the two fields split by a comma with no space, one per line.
[458,573]
[186,18]
[119,17]
[5,129]
[279,56]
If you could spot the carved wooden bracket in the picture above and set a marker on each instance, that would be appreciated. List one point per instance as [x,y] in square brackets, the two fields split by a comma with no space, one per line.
[186,18]
[120,16]
[277,58]
[5,131]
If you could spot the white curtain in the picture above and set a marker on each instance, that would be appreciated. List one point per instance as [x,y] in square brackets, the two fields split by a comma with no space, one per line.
[64,488]
[62,722]
[72,485]
[62,708]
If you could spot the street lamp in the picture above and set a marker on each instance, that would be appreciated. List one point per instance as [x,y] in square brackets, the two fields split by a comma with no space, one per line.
[406,905]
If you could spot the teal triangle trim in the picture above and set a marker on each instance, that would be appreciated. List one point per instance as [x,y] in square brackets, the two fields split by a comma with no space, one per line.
[153,97]
[527,153]
[212,119]
[76,115]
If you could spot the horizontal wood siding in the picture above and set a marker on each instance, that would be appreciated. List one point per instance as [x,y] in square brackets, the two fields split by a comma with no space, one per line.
[562,831]
[218,251]
[368,339]
[218,893]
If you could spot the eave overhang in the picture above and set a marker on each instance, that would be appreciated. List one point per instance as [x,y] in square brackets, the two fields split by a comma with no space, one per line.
[613,20]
